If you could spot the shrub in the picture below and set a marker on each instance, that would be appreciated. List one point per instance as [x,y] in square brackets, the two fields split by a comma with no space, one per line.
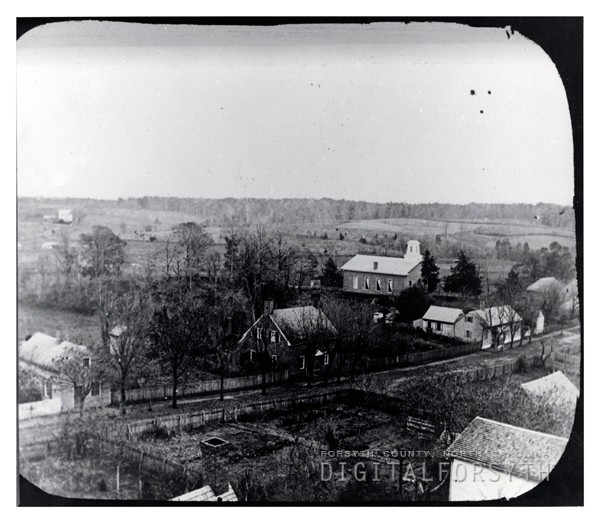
[156,431]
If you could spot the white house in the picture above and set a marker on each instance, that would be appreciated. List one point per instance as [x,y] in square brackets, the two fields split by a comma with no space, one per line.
[493,460]
[65,216]
[42,354]
[494,326]
[443,320]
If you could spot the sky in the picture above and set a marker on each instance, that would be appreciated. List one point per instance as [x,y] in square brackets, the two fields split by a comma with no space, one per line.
[379,112]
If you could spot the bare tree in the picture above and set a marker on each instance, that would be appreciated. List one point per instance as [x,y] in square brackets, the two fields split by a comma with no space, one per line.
[551,300]
[128,316]
[66,258]
[356,332]
[223,333]
[178,334]
[185,253]
[78,368]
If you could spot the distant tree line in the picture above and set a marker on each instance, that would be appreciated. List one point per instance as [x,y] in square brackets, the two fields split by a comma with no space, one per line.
[250,211]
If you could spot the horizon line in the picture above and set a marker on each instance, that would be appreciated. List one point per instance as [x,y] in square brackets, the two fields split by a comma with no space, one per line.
[116,199]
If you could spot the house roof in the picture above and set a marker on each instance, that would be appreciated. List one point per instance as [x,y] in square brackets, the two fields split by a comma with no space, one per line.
[206,493]
[442,314]
[44,350]
[545,284]
[513,450]
[495,316]
[117,331]
[385,265]
[555,387]
[298,322]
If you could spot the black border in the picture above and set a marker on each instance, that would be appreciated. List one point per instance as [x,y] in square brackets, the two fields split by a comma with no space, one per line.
[562,40]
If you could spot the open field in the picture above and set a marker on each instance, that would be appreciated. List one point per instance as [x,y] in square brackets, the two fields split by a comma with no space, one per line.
[142,224]
[78,328]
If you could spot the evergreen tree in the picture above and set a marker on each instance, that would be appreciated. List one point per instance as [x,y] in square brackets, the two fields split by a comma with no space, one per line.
[465,278]
[430,272]
[332,277]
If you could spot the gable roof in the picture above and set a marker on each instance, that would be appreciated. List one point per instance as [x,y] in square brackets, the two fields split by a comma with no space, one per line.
[545,284]
[298,322]
[44,350]
[385,265]
[513,450]
[555,387]
[495,316]
[442,314]
[206,493]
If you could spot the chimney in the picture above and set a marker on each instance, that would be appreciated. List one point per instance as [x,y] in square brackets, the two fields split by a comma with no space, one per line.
[315,298]
[375,265]
[269,307]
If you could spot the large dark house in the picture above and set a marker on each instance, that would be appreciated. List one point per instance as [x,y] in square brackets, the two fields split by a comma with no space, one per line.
[299,339]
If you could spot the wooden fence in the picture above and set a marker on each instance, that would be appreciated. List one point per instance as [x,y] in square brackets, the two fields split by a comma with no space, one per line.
[163,392]
[417,358]
[195,419]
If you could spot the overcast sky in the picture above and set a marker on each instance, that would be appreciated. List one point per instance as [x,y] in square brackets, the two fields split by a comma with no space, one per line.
[379,112]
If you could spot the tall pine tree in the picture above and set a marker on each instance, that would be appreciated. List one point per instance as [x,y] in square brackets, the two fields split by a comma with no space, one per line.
[430,272]
[465,277]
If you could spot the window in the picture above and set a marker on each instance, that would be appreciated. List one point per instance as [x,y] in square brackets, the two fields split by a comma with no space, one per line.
[95,389]
[259,333]
[470,319]
[438,326]
[302,360]
[274,358]
[355,282]
[378,284]
[468,334]
[252,353]
[410,283]
[86,362]
[48,389]
[325,358]
[366,283]
[274,337]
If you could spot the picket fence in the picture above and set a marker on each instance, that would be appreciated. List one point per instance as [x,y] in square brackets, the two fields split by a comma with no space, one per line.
[163,392]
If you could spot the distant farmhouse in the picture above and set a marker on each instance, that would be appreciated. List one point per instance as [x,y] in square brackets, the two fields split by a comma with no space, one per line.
[65,216]
[292,338]
[493,327]
[41,355]
[383,275]
[493,460]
